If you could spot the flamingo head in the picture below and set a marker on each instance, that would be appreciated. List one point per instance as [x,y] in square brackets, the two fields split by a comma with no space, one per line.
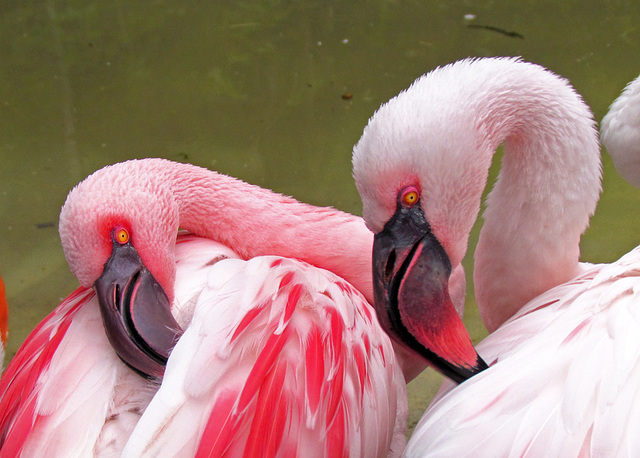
[118,230]
[421,191]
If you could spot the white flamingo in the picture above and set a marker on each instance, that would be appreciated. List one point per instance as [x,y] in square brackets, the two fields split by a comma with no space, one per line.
[565,348]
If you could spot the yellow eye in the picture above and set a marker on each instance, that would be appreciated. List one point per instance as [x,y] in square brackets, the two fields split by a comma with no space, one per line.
[410,196]
[122,236]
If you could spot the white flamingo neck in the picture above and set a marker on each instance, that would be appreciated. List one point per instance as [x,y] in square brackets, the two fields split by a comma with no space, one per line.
[255,221]
[547,189]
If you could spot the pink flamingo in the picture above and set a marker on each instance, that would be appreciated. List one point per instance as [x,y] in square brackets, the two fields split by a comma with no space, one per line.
[620,133]
[565,348]
[249,326]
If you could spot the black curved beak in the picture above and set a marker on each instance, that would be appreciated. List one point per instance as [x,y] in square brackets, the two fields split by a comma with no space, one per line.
[411,286]
[136,312]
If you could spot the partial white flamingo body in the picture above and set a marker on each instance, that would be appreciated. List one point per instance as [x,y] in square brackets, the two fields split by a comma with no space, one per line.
[564,350]
[620,132]
[563,379]
[281,359]
[119,227]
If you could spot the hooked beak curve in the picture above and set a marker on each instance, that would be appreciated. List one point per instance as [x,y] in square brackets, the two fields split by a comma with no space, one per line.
[411,273]
[136,312]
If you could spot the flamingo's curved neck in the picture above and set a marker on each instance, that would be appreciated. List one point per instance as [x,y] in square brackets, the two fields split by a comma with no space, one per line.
[546,191]
[255,221]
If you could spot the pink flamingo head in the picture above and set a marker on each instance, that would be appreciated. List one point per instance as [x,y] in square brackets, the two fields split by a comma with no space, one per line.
[122,196]
[118,230]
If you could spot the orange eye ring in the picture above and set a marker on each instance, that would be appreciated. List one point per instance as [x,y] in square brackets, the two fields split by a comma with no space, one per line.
[410,196]
[121,235]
